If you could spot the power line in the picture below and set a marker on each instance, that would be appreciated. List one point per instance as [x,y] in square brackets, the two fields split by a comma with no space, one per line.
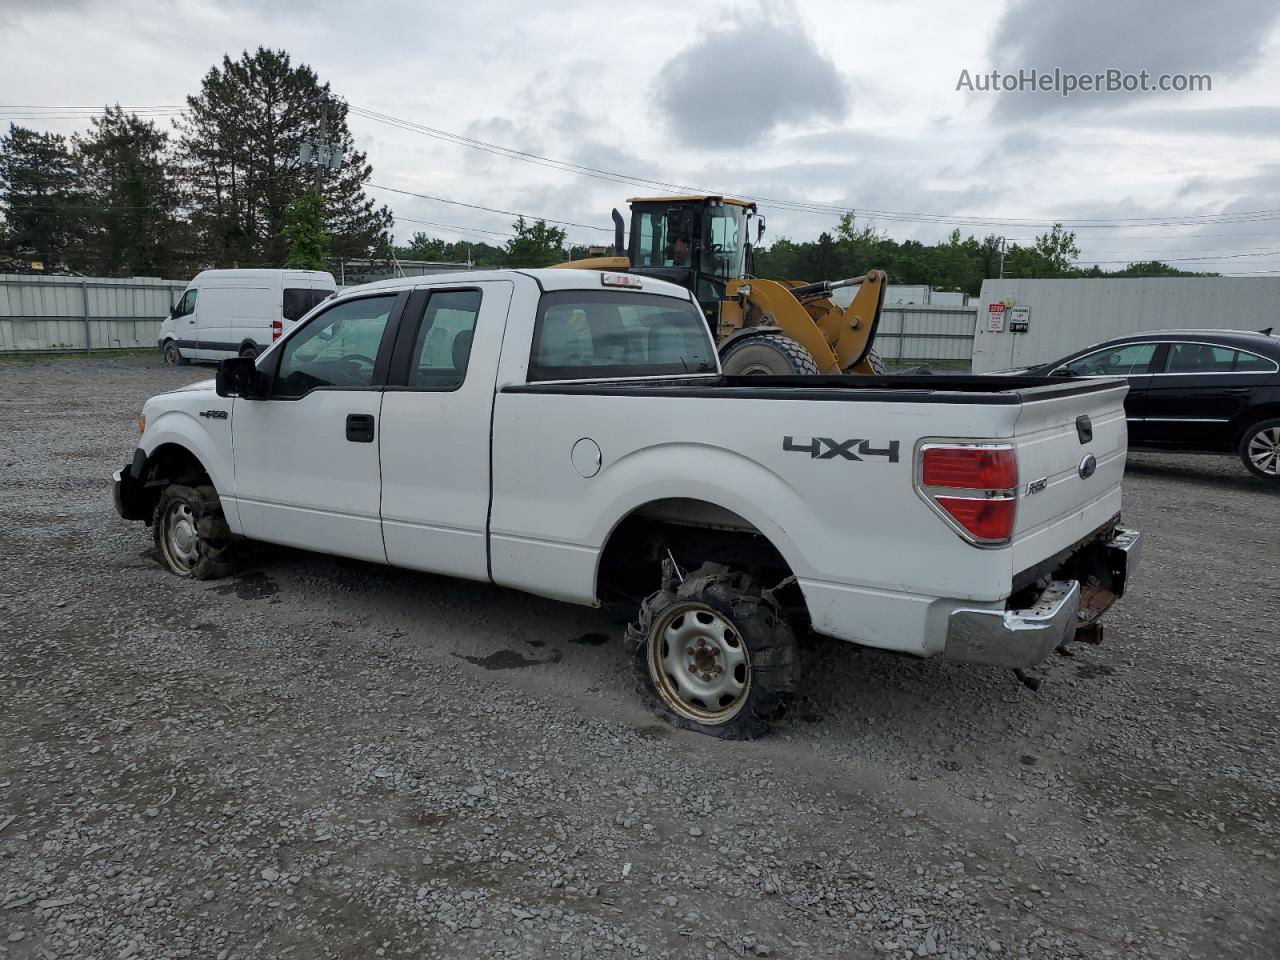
[476,206]
[1096,223]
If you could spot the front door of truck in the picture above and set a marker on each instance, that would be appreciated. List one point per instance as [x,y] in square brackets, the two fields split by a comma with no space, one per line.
[306,458]
[436,423]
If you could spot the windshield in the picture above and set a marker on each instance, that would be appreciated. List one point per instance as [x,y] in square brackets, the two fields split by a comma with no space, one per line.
[664,237]
[722,241]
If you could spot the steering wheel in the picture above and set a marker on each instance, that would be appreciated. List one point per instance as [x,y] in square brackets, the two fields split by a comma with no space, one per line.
[358,357]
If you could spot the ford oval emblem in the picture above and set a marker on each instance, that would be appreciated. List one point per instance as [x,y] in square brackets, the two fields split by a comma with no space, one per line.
[1088,466]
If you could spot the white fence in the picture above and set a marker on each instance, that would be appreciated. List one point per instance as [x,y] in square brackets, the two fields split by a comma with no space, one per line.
[74,313]
[1061,316]
[926,334]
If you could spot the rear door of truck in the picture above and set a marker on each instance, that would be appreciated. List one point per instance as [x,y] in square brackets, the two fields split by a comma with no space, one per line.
[436,411]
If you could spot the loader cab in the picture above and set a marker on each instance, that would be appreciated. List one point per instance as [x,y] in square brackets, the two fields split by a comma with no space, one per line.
[700,243]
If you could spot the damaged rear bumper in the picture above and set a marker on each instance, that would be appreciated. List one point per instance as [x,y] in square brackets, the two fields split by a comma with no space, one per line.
[1026,636]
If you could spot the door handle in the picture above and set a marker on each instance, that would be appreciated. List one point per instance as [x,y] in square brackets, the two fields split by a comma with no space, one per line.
[360,427]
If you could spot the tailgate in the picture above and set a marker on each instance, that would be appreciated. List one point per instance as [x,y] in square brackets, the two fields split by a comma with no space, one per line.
[1063,497]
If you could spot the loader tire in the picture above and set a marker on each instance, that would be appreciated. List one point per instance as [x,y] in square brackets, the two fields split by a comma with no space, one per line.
[877,365]
[714,654]
[769,353]
[191,533]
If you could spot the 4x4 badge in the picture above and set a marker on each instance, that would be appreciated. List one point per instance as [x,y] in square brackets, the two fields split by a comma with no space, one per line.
[842,448]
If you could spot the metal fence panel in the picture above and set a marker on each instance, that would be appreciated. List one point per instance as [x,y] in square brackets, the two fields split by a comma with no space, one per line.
[1067,315]
[82,313]
[926,333]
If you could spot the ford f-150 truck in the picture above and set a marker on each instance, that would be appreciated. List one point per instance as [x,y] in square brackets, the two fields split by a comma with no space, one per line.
[570,434]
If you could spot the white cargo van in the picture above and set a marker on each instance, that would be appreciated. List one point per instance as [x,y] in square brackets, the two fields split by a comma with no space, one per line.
[225,313]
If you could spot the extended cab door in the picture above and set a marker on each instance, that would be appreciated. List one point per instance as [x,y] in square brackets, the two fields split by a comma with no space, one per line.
[436,417]
[306,458]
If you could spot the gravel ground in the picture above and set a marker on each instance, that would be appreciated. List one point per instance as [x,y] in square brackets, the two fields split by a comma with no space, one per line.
[332,759]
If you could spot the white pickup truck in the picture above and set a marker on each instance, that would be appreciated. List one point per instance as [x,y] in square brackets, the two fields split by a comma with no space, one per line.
[569,433]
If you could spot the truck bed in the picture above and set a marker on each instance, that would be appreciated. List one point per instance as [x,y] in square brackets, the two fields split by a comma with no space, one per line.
[909,389]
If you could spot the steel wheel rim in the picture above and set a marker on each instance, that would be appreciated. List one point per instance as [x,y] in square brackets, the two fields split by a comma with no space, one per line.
[1264,451]
[699,664]
[180,538]
[170,354]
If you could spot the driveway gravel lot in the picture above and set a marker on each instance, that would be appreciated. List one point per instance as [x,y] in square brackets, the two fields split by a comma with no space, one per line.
[320,758]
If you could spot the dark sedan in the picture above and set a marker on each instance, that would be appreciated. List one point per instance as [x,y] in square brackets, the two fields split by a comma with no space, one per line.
[1199,390]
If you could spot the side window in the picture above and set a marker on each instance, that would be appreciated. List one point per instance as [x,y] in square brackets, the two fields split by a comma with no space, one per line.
[443,346]
[338,348]
[187,305]
[1120,361]
[1252,363]
[585,334]
[1199,358]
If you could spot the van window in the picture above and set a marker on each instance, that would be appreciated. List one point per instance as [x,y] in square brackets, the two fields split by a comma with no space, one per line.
[588,334]
[187,305]
[298,301]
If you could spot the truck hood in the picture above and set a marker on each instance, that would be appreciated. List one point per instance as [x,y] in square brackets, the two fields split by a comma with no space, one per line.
[206,385]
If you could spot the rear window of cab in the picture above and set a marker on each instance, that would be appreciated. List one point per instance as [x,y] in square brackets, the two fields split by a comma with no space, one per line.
[608,334]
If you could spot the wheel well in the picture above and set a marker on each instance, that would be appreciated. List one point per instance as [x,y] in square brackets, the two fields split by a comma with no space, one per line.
[695,532]
[1263,411]
[171,463]
[248,342]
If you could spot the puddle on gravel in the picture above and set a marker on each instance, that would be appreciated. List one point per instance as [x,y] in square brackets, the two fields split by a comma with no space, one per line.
[249,586]
[507,660]
[591,639]
[1091,671]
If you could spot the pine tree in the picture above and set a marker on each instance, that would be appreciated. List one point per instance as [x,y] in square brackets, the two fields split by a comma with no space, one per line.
[240,146]
[132,217]
[40,197]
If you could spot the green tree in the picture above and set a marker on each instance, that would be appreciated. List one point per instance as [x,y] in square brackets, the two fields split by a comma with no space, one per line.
[304,231]
[132,222]
[41,199]
[240,145]
[535,244]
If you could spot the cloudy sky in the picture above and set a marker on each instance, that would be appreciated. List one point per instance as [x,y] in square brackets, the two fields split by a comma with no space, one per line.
[820,103]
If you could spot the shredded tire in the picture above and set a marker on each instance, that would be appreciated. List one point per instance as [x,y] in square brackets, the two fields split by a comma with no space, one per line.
[770,641]
[214,542]
[770,353]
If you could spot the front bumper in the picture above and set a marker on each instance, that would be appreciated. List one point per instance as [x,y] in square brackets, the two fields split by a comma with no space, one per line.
[1025,637]
[133,501]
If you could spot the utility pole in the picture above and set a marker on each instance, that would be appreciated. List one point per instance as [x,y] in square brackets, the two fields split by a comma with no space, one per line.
[322,140]
[1003,241]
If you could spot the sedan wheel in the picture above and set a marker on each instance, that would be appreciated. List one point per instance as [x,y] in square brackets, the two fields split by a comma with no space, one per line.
[1260,450]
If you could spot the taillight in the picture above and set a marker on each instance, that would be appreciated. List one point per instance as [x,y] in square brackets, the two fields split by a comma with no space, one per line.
[277,329]
[973,486]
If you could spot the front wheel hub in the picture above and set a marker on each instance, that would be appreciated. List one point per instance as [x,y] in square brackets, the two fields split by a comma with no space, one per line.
[699,663]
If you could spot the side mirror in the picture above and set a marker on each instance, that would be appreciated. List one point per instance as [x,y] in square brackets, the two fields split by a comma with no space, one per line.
[759,229]
[240,377]
[1061,372]
[173,312]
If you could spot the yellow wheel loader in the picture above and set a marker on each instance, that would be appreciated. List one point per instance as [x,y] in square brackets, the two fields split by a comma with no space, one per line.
[704,243]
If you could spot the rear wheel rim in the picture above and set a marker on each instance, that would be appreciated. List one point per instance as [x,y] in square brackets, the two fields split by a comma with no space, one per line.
[1264,451]
[180,541]
[699,664]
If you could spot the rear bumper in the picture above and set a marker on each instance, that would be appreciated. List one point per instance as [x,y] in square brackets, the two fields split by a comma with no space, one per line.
[1025,637]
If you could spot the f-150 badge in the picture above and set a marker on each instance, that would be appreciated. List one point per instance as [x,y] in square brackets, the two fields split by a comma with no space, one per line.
[824,448]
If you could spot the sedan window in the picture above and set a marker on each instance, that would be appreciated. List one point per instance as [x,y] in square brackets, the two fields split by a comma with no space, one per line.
[1117,361]
[1199,358]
